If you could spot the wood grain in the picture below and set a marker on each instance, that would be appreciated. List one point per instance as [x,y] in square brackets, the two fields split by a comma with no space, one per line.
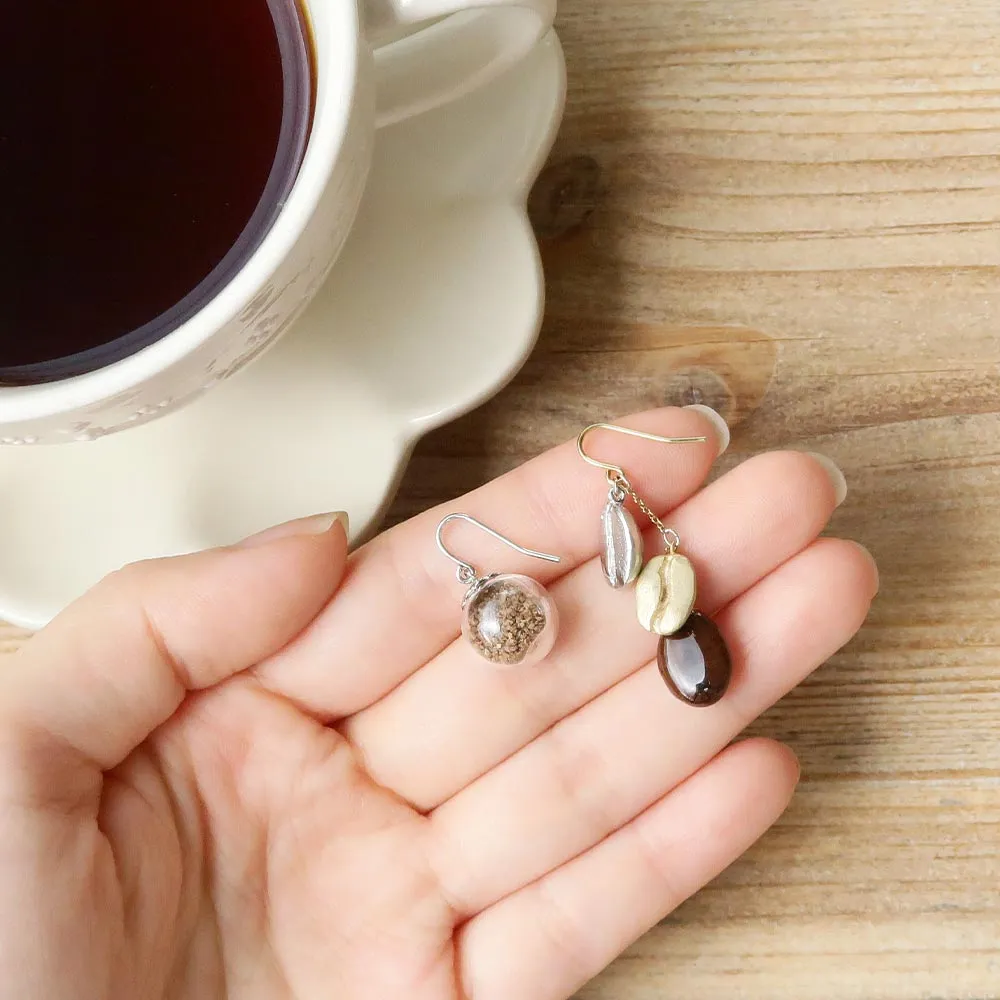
[791,209]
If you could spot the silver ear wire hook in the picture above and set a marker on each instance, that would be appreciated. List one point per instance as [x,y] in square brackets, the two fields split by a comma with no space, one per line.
[466,572]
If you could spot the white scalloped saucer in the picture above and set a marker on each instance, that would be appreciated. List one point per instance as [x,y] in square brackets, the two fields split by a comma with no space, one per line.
[435,304]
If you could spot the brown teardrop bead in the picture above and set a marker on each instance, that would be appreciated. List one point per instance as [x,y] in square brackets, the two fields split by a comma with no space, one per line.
[694,662]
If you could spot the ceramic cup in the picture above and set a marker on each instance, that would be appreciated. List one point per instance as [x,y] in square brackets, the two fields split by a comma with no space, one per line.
[376,64]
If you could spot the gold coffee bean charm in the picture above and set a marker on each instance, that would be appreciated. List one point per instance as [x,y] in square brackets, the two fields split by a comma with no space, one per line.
[665,594]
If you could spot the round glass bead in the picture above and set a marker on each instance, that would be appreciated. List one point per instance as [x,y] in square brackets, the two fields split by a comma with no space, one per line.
[510,620]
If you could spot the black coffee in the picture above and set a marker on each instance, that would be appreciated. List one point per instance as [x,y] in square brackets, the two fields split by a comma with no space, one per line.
[145,148]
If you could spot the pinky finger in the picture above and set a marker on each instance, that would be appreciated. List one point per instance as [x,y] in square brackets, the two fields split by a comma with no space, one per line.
[548,939]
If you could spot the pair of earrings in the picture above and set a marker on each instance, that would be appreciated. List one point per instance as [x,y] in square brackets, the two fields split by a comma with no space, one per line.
[511,620]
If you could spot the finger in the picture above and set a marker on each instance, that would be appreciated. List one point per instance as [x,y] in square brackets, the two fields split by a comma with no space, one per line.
[565,928]
[736,531]
[118,663]
[401,604]
[604,765]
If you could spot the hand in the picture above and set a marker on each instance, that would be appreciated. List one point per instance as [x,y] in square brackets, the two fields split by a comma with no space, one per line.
[274,771]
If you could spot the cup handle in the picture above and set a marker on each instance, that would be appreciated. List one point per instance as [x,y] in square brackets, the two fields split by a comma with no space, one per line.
[450,57]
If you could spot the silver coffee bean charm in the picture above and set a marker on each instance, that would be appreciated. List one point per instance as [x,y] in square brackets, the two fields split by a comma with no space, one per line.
[621,552]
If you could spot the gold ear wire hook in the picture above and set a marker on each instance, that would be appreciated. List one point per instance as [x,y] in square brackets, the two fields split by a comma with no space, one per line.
[467,572]
[615,472]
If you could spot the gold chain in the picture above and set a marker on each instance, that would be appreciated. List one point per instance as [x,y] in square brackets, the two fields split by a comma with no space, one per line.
[670,537]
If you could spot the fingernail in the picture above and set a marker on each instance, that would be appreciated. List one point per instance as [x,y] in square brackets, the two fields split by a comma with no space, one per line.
[871,559]
[319,524]
[716,420]
[836,476]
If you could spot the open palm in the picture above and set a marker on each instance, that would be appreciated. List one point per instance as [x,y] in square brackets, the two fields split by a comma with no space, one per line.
[274,771]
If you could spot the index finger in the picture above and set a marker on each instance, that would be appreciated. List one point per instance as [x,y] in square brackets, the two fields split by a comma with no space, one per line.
[400,604]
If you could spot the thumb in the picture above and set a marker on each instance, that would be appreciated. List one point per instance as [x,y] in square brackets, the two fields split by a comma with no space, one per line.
[119,662]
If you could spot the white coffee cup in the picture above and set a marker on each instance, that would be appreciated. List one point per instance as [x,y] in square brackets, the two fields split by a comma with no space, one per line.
[376,64]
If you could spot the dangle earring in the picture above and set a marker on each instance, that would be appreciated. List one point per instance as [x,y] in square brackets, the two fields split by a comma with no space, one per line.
[691,654]
[507,618]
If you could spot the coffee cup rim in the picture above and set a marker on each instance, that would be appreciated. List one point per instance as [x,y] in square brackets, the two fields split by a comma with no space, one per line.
[337,79]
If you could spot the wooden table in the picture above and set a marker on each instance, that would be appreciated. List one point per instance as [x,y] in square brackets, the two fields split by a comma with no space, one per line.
[789,209]
[796,218]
